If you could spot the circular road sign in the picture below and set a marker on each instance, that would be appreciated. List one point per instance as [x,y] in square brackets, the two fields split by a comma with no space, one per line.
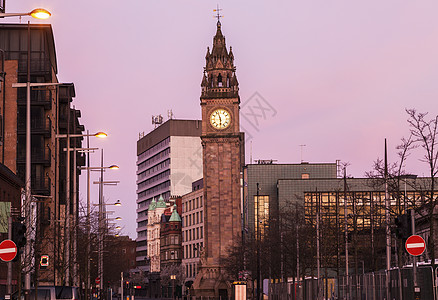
[415,245]
[8,250]
[97,280]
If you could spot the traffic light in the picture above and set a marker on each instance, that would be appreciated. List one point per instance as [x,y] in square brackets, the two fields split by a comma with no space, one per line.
[403,228]
[44,262]
[19,234]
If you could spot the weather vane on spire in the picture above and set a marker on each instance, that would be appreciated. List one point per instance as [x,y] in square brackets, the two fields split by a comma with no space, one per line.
[218,11]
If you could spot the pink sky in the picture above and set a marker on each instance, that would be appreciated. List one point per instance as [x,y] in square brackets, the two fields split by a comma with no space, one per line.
[336,75]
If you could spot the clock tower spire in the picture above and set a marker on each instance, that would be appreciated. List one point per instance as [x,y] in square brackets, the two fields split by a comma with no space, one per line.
[222,144]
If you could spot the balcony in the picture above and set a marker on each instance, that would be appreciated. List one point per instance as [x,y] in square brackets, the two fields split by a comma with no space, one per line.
[41,186]
[38,156]
[38,126]
[38,96]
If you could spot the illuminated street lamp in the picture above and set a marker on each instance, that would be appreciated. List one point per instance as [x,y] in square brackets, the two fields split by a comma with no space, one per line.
[102,205]
[37,13]
[88,168]
[67,243]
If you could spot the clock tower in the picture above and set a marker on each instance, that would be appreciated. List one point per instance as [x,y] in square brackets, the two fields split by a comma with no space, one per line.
[223,146]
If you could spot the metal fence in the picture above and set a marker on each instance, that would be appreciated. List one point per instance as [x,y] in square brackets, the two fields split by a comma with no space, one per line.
[369,286]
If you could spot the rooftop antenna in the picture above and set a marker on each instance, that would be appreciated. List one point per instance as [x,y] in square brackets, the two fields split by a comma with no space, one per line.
[250,153]
[157,120]
[301,146]
[218,13]
[170,114]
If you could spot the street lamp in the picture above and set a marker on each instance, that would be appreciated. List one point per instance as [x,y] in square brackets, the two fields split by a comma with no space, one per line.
[173,278]
[101,204]
[37,13]
[67,244]
[88,168]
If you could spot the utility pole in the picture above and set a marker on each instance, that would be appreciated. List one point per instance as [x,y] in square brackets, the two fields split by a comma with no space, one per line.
[347,289]
[388,232]
[318,259]
[258,245]
[298,243]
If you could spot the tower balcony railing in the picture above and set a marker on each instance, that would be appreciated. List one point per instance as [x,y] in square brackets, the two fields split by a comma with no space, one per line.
[219,93]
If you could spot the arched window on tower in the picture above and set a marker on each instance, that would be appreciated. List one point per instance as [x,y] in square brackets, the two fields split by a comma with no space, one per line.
[211,80]
[219,80]
[228,80]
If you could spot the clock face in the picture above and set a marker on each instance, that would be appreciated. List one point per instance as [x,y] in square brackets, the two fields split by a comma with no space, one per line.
[220,118]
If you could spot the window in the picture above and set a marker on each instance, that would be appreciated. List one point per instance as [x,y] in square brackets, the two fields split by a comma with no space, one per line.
[200,198]
[305,176]
[261,211]
[197,217]
[200,216]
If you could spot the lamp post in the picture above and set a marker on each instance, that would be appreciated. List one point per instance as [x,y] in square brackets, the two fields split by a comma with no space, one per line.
[88,168]
[101,229]
[173,278]
[101,204]
[67,219]
[39,14]
[75,203]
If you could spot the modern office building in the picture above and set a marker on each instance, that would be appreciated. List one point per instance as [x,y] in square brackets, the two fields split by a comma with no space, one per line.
[304,197]
[192,231]
[169,159]
[51,114]
[266,174]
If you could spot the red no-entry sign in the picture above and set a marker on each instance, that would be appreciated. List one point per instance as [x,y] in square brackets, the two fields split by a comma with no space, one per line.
[8,250]
[415,245]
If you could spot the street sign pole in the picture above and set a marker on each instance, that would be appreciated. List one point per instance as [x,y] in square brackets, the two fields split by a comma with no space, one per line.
[414,258]
[415,245]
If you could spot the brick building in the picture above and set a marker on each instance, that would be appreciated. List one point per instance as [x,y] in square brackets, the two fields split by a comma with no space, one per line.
[51,114]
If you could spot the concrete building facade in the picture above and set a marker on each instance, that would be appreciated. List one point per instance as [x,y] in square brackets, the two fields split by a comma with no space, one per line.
[193,230]
[169,159]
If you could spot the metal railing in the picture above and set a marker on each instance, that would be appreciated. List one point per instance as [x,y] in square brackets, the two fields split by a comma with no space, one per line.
[369,286]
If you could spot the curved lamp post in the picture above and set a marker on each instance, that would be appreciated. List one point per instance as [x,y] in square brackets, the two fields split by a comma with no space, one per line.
[37,13]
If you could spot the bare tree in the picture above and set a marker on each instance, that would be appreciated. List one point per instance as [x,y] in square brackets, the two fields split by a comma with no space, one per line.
[425,134]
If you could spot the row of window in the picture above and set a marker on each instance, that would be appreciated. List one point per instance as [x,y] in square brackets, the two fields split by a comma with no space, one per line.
[192,219]
[193,234]
[170,254]
[193,250]
[154,169]
[146,202]
[142,243]
[154,178]
[154,189]
[170,240]
[154,158]
[191,270]
[155,148]
[192,204]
